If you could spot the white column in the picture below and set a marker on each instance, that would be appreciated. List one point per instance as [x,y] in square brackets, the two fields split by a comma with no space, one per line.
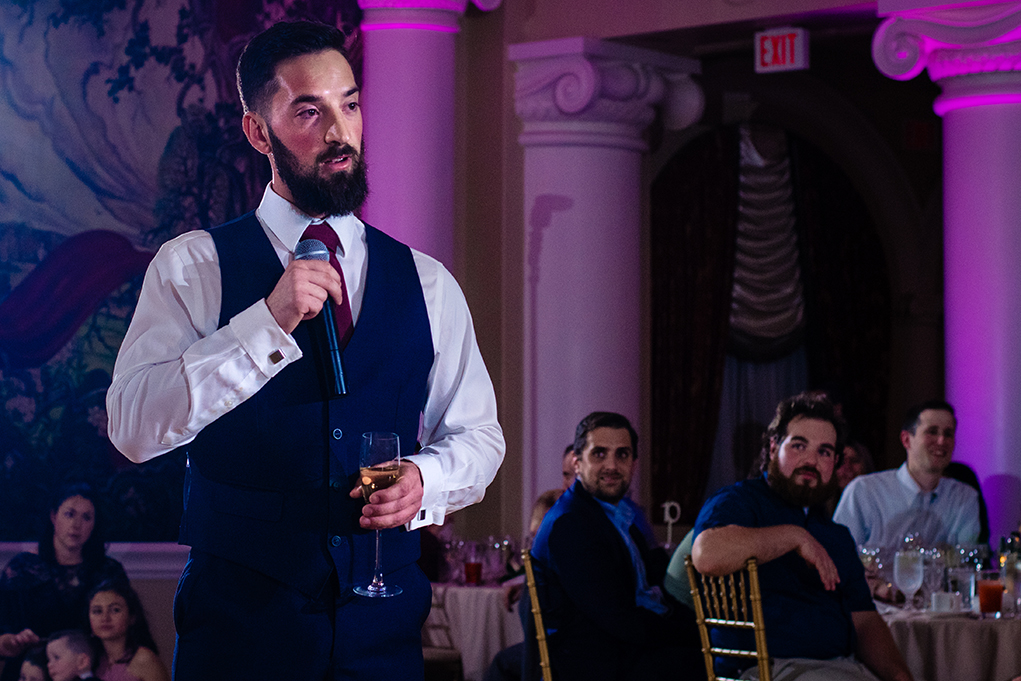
[408,113]
[974,54]
[584,105]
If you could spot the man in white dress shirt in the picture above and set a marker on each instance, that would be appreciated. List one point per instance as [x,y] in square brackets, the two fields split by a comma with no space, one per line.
[225,358]
[882,508]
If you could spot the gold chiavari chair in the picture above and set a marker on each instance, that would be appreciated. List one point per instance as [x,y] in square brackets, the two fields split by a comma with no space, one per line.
[732,601]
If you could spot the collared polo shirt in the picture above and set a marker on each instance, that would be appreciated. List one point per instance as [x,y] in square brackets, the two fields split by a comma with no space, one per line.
[803,619]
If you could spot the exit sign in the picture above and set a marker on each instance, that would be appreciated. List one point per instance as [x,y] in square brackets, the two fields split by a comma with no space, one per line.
[781,49]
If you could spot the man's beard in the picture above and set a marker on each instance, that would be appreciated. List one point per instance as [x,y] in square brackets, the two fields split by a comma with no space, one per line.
[795,493]
[339,194]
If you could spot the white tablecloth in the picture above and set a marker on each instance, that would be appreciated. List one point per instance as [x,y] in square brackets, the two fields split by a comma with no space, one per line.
[480,625]
[957,647]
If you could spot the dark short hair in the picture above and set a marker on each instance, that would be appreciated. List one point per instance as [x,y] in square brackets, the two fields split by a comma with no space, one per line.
[76,641]
[915,412]
[94,550]
[810,405]
[603,419]
[37,657]
[258,63]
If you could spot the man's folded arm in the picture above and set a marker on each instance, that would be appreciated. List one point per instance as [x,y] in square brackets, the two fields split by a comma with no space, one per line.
[722,550]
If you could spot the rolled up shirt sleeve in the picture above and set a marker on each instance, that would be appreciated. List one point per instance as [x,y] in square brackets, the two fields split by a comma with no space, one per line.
[176,372]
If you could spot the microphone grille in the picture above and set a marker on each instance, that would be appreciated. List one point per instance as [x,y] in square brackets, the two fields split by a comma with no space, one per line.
[311,249]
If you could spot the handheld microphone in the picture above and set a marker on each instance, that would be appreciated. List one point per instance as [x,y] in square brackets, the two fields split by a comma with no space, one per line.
[314,249]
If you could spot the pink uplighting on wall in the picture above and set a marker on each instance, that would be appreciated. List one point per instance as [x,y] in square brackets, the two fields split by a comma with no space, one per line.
[409,26]
[972,51]
[944,104]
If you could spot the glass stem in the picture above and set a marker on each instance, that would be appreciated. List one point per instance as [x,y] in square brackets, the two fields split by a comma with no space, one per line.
[377,576]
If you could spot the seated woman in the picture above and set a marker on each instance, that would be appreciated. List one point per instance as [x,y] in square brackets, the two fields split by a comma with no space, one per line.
[44,593]
[117,620]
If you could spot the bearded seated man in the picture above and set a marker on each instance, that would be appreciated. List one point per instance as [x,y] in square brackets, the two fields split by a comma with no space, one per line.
[821,624]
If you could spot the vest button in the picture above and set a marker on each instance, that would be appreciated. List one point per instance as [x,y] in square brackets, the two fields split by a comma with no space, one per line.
[337,433]
[336,540]
[334,484]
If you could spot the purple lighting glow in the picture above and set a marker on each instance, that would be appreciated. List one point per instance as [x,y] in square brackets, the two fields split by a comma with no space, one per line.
[944,104]
[391,26]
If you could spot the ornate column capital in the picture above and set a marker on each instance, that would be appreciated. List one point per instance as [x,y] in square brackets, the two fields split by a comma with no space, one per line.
[972,51]
[583,91]
[436,15]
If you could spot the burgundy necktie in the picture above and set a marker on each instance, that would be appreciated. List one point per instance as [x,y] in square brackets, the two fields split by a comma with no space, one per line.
[341,312]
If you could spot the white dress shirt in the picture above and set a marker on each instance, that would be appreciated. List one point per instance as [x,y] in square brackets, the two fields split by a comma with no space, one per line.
[176,372]
[880,508]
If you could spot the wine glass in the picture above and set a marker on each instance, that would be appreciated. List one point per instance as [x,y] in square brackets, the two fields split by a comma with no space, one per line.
[869,556]
[379,468]
[934,570]
[908,572]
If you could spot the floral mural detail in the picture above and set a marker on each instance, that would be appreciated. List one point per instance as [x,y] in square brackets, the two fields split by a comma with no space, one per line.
[120,130]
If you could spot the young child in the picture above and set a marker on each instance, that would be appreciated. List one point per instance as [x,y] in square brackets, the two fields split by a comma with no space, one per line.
[127,649]
[69,656]
[34,666]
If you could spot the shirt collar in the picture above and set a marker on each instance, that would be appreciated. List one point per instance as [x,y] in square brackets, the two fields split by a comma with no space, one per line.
[288,223]
[911,485]
[620,514]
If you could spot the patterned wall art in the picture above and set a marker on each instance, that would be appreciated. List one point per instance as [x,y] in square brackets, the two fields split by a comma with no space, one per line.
[119,129]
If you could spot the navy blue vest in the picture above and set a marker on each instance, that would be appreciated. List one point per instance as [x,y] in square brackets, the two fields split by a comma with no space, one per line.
[267,483]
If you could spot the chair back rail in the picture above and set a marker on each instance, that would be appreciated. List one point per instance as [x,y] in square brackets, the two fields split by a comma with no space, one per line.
[540,630]
[733,601]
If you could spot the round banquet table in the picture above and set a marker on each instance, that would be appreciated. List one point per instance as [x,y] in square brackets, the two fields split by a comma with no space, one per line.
[956,646]
[480,625]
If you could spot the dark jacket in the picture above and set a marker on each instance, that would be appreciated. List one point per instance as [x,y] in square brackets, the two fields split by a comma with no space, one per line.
[587,590]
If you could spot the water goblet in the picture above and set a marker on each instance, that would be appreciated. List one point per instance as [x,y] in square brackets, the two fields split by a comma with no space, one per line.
[908,574]
[379,468]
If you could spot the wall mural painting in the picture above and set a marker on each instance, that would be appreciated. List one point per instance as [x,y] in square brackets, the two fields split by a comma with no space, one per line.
[119,129]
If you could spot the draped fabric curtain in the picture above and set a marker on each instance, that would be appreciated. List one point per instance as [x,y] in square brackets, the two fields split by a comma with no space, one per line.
[693,221]
[847,293]
[767,312]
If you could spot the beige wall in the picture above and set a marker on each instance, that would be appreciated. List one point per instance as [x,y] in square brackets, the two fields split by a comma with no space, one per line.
[158,600]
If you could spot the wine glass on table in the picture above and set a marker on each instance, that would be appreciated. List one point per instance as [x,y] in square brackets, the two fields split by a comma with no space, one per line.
[869,556]
[908,573]
[379,467]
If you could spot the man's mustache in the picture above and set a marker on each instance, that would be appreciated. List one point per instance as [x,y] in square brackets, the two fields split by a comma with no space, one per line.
[808,470]
[337,152]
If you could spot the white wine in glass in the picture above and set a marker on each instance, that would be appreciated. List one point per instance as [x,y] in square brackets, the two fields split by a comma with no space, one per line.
[379,468]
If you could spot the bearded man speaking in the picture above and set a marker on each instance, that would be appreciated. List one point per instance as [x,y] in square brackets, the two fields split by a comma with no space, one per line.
[232,356]
[821,623]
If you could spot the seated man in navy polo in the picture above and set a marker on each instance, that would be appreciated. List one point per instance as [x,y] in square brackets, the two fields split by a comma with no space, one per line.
[821,623]
[599,574]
